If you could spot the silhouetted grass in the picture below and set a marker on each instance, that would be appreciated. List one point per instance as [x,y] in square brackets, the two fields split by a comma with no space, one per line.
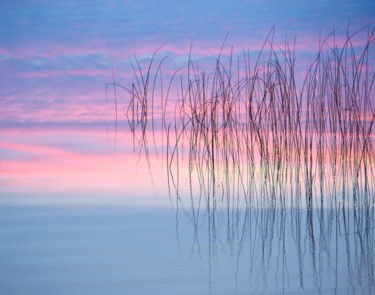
[254,138]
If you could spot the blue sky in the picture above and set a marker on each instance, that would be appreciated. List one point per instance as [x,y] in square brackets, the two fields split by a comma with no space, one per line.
[56,56]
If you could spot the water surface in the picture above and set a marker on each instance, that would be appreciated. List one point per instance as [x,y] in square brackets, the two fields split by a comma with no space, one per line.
[106,250]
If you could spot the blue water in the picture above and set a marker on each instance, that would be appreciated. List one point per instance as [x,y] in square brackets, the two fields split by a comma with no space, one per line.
[108,250]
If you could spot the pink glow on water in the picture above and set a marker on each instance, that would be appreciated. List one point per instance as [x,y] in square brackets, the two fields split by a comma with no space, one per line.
[75,166]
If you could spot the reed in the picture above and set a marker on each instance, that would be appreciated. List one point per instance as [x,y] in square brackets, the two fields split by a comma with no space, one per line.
[253,136]
[249,129]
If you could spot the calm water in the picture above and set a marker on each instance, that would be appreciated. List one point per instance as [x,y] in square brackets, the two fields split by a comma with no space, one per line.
[263,163]
[103,250]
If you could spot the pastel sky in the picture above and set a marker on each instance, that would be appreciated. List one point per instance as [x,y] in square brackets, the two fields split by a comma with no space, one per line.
[56,124]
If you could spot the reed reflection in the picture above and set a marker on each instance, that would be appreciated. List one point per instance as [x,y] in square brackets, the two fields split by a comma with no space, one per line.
[274,167]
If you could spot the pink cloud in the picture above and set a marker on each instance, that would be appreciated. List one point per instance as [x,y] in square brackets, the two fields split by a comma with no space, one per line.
[75,72]
[140,48]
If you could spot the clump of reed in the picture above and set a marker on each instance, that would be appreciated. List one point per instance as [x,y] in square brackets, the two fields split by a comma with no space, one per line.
[249,128]
[253,134]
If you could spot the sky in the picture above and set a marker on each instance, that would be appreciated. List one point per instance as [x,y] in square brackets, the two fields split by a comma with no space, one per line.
[57,124]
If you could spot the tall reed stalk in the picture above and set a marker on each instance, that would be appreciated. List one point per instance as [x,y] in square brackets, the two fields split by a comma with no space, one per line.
[253,136]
